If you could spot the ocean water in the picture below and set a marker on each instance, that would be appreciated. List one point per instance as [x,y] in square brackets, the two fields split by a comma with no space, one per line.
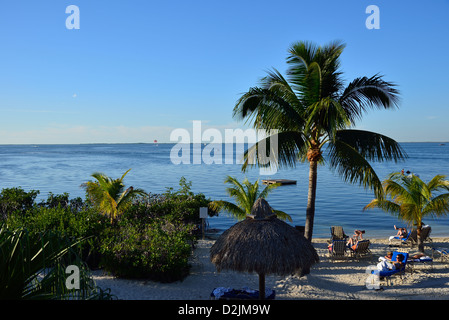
[63,168]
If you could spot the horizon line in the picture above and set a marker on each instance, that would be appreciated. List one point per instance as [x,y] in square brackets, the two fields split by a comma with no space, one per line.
[156,143]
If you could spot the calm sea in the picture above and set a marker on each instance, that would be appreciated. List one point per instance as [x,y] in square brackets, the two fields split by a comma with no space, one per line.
[63,168]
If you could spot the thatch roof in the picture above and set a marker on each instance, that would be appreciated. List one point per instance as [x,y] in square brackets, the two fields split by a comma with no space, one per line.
[263,244]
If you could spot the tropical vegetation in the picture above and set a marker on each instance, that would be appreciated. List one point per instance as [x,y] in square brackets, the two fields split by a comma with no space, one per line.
[110,196]
[33,266]
[245,195]
[154,237]
[313,113]
[151,236]
[411,199]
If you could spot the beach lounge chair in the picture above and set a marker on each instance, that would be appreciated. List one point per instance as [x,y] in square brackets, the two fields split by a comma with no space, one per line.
[361,249]
[409,239]
[425,234]
[443,253]
[337,249]
[424,260]
[337,233]
[386,275]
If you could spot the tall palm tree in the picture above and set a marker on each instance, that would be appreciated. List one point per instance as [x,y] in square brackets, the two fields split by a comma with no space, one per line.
[245,195]
[311,109]
[412,199]
[109,195]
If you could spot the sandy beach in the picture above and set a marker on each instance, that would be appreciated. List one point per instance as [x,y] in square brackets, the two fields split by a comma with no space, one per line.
[328,280]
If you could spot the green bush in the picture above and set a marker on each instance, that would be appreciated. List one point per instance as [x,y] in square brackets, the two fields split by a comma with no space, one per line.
[152,239]
[87,224]
[182,206]
[33,266]
[16,200]
[158,250]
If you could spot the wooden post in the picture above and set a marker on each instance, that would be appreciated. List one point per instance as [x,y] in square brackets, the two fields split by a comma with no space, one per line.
[203,216]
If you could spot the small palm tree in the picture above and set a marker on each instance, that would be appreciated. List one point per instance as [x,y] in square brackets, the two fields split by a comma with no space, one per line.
[109,196]
[245,195]
[412,199]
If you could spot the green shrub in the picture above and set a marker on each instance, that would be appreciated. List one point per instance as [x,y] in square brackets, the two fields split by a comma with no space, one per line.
[16,200]
[182,206]
[87,224]
[33,266]
[152,239]
[158,250]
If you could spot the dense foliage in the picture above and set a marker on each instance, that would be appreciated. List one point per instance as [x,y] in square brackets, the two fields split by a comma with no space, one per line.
[152,238]
[33,266]
[158,250]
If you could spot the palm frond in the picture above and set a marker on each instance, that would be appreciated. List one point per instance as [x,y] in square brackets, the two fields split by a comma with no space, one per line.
[352,166]
[438,206]
[123,176]
[231,208]
[108,195]
[372,146]
[245,195]
[269,188]
[128,195]
[438,183]
[303,59]
[326,115]
[366,93]
[385,205]
[284,153]
[282,215]
[238,192]
[268,108]
[397,192]
[412,198]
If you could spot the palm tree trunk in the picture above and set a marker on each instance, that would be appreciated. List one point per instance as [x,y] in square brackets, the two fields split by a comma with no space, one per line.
[310,212]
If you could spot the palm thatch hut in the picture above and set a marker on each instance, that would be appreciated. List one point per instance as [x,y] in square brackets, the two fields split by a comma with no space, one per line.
[263,244]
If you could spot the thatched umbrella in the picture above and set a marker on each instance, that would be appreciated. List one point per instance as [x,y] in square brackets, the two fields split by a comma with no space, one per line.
[263,244]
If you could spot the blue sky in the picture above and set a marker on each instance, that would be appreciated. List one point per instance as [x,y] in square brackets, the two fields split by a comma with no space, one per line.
[137,70]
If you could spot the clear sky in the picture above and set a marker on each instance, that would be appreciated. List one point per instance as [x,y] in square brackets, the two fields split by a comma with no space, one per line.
[136,70]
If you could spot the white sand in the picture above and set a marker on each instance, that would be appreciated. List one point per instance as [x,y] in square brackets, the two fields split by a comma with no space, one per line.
[336,280]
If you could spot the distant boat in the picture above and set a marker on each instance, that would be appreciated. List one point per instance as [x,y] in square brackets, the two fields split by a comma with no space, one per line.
[442,144]
[155,142]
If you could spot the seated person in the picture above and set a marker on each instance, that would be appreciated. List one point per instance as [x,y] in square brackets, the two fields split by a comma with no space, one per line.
[386,265]
[387,257]
[358,234]
[352,242]
[402,233]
